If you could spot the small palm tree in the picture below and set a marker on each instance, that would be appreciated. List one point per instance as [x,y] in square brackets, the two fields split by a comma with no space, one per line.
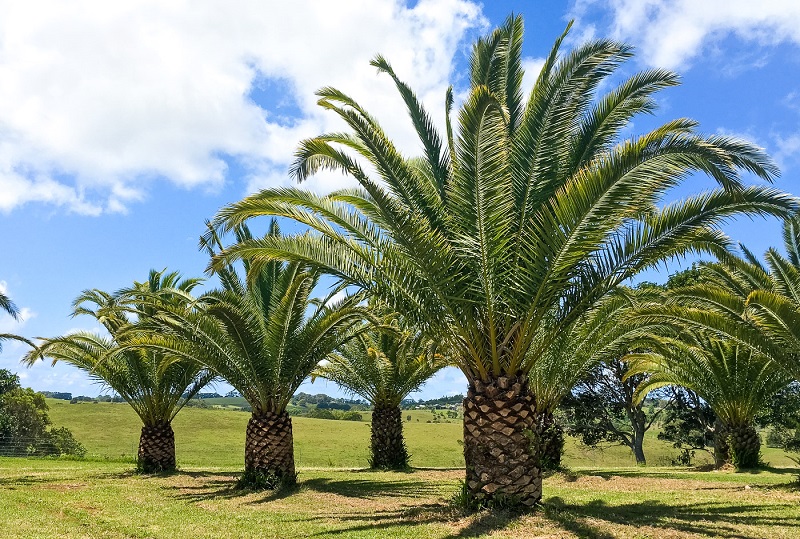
[601,335]
[734,380]
[513,225]
[155,384]
[384,367]
[259,336]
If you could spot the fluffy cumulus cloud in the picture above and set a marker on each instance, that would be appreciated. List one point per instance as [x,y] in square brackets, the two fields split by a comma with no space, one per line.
[99,98]
[671,33]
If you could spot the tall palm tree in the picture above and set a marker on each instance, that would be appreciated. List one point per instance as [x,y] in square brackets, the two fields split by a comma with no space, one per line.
[513,225]
[259,336]
[155,384]
[734,380]
[384,367]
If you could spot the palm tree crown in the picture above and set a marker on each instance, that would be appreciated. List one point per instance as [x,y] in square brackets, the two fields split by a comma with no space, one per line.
[155,384]
[514,223]
[384,366]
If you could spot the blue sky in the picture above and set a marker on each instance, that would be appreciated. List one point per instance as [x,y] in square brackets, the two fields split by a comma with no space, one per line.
[123,126]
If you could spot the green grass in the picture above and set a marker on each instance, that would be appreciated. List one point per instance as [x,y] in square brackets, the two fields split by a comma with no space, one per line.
[62,499]
[215,438]
[602,497]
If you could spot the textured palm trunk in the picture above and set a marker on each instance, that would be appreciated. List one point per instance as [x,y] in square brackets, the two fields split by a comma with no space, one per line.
[269,448]
[499,426]
[745,446]
[157,448]
[721,448]
[552,441]
[387,444]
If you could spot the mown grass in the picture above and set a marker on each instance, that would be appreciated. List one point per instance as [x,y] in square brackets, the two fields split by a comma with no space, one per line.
[215,438]
[601,497]
[52,498]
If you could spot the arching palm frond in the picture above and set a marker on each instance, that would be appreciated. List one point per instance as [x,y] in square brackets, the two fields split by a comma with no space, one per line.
[382,366]
[531,212]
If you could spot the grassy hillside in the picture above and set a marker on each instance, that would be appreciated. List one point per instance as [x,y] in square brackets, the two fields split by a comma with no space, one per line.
[215,438]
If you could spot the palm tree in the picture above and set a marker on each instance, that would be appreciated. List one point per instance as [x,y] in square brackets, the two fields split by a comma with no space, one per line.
[156,385]
[9,307]
[512,226]
[600,336]
[259,336]
[734,380]
[384,367]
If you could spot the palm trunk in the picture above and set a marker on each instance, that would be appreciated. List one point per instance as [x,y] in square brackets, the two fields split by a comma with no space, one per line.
[269,451]
[156,448]
[552,441]
[721,448]
[745,446]
[499,426]
[388,447]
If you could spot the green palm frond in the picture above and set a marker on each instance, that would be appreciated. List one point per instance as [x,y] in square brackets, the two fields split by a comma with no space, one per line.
[524,217]
[156,384]
[383,365]
[264,334]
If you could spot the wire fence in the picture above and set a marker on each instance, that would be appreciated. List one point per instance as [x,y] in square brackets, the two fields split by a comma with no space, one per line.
[22,446]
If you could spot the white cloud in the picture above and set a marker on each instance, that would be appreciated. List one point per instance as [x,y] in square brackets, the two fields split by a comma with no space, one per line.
[670,33]
[101,98]
[531,68]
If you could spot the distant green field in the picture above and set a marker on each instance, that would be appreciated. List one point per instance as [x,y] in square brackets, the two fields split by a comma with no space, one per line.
[215,438]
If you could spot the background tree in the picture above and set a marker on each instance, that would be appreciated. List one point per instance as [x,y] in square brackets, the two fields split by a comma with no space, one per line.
[735,381]
[512,226]
[384,367]
[602,408]
[689,423]
[25,427]
[264,336]
[155,384]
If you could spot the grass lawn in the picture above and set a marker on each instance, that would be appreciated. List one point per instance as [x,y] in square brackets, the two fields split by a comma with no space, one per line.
[602,497]
[63,499]
[215,438]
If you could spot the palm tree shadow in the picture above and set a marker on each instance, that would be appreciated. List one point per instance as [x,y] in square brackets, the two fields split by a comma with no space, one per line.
[704,519]
[223,485]
[382,522]
[371,488]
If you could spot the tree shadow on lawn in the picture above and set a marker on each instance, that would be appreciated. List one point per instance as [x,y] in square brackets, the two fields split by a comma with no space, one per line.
[372,488]
[713,519]
[480,525]
[607,473]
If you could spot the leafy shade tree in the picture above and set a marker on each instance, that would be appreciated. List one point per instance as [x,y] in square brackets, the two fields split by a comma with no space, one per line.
[602,408]
[260,337]
[689,423]
[735,381]
[511,227]
[384,367]
[155,384]
[25,428]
